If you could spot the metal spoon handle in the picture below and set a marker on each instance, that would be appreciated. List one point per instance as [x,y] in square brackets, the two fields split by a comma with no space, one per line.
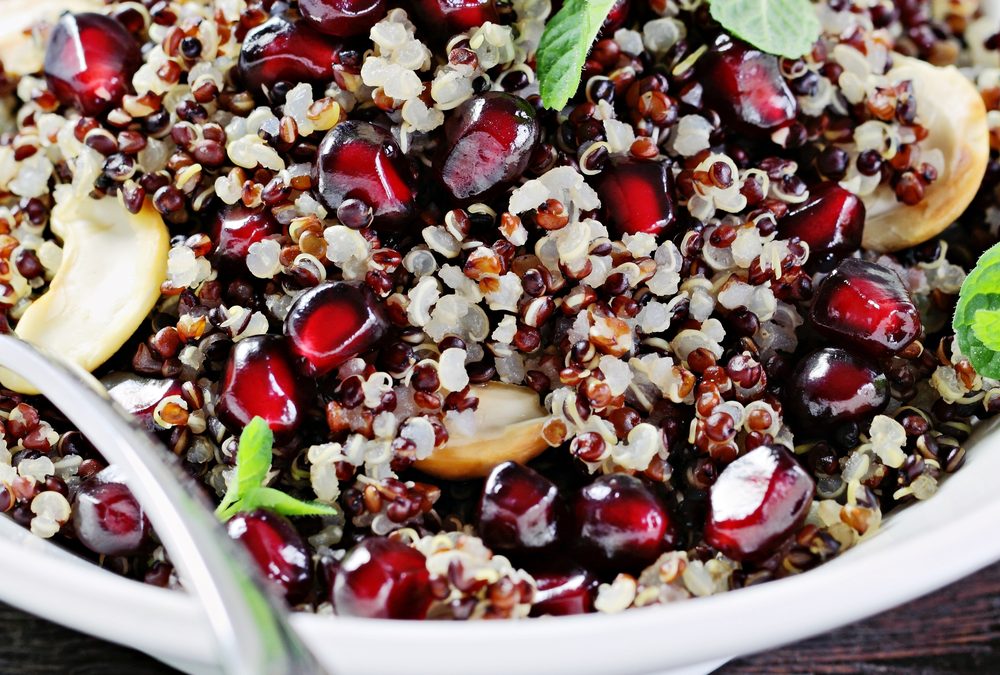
[250,625]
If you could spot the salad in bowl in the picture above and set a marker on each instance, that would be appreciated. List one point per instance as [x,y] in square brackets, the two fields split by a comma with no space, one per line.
[489,309]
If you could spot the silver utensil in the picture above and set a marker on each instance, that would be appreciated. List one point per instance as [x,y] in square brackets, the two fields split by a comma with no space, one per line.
[250,624]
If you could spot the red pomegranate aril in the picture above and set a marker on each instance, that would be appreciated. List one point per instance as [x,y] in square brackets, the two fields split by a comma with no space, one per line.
[616,18]
[757,502]
[237,227]
[282,50]
[563,592]
[260,381]
[448,17]
[334,322]
[343,18]
[278,549]
[519,510]
[637,196]
[382,579]
[832,386]
[747,88]
[90,61]
[107,518]
[831,221]
[359,160]
[620,523]
[488,144]
[865,306]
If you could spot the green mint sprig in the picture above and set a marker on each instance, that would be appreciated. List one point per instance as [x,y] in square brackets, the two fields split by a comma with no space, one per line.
[781,27]
[563,49]
[977,315]
[246,491]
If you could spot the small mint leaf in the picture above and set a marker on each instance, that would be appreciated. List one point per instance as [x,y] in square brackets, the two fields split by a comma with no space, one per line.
[253,461]
[563,49]
[780,27]
[986,327]
[975,314]
[253,457]
[286,505]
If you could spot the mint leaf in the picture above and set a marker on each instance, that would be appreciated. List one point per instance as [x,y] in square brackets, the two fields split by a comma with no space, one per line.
[253,461]
[986,328]
[567,38]
[253,457]
[780,27]
[286,505]
[974,326]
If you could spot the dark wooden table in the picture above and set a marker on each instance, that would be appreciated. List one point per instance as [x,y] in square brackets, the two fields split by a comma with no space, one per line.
[956,630]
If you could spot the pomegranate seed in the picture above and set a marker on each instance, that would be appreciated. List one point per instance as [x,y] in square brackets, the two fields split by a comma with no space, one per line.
[519,510]
[756,502]
[334,322]
[278,549]
[637,196]
[107,518]
[448,17]
[616,18]
[90,61]
[360,160]
[343,18]
[260,381]
[620,523]
[865,305]
[281,50]
[489,141]
[139,396]
[831,221]
[831,386]
[237,227]
[563,592]
[748,90]
[383,579]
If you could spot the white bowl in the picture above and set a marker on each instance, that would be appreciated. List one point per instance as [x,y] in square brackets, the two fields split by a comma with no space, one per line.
[919,549]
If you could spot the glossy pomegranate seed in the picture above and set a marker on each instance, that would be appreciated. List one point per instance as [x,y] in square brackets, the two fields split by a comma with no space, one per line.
[333,322]
[90,61]
[343,18]
[278,549]
[382,579]
[139,396]
[519,510]
[831,221]
[359,160]
[747,88]
[260,381]
[281,50]
[637,196]
[831,386]
[237,227]
[616,18]
[620,523]
[107,518]
[756,502]
[448,17]
[865,305]
[488,143]
[563,592]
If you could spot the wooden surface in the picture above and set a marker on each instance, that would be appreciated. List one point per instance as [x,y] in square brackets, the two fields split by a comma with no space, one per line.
[956,630]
